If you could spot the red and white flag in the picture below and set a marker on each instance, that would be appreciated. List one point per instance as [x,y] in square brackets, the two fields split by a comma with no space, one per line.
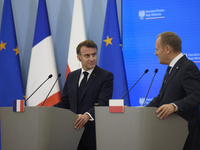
[77,35]
[42,63]
[116,105]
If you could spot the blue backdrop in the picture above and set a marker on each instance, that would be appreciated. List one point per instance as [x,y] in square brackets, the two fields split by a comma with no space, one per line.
[142,21]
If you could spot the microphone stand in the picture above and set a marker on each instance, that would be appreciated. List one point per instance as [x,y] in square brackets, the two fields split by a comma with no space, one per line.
[39,87]
[135,83]
[51,88]
[156,70]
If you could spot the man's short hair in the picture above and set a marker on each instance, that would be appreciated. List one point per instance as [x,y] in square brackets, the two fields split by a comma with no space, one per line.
[171,39]
[87,43]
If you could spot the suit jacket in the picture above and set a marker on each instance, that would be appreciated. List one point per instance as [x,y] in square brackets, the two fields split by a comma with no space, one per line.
[98,89]
[183,89]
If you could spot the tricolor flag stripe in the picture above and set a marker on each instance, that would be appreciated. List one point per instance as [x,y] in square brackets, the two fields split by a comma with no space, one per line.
[51,100]
[21,105]
[14,105]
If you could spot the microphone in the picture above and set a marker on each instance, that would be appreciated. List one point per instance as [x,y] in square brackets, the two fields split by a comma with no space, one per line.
[156,70]
[39,87]
[51,88]
[135,83]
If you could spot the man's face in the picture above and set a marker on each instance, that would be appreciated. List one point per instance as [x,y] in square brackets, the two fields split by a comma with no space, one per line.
[87,57]
[161,52]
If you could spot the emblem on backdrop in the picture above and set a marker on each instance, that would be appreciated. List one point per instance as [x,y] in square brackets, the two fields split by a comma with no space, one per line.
[141,14]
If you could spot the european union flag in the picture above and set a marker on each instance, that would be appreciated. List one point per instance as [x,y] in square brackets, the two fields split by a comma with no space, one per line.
[111,57]
[11,85]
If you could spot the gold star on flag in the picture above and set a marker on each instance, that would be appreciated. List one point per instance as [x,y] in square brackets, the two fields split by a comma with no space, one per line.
[108,41]
[120,44]
[2,45]
[16,50]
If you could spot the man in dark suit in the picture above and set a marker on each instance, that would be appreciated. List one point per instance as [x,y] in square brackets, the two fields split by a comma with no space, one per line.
[180,91]
[85,87]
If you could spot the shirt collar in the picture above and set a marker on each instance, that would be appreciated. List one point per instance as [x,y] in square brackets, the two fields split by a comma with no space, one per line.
[174,61]
[89,71]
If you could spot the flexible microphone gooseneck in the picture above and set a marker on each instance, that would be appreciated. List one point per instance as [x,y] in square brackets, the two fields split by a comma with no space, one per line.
[39,87]
[51,88]
[156,70]
[135,83]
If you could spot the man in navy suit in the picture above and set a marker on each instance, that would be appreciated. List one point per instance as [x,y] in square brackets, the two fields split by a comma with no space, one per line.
[85,87]
[180,91]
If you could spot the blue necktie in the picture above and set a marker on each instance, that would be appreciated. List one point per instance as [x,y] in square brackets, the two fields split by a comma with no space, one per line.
[167,73]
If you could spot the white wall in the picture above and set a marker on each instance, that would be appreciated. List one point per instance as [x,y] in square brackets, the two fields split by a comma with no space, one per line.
[60,16]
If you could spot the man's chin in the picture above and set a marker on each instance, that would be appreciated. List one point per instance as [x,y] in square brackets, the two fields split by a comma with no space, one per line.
[162,63]
[92,66]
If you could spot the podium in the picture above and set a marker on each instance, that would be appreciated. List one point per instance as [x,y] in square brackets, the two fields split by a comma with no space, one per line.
[138,128]
[39,128]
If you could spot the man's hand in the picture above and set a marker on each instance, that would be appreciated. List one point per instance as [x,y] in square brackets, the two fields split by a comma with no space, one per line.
[165,110]
[81,120]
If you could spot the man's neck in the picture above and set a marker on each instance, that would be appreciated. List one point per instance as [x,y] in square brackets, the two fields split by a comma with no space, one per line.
[172,56]
[176,58]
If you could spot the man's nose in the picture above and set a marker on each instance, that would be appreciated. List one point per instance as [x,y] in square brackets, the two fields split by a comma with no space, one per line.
[91,57]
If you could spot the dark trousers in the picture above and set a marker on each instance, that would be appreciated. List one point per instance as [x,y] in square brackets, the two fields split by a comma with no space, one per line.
[193,139]
[82,146]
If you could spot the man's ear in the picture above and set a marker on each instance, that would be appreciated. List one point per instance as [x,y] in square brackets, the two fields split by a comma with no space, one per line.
[79,57]
[168,49]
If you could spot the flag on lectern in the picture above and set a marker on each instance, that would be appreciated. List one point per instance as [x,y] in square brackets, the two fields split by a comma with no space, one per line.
[111,56]
[11,84]
[42,63]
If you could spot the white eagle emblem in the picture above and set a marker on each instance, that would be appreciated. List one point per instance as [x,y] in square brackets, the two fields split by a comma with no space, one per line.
[141,14]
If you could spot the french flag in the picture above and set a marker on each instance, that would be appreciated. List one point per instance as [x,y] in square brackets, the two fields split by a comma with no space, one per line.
[116,105]
[18,105]
[42,63]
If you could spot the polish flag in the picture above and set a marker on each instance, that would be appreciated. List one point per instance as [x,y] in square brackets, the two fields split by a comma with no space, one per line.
[77,36]
[116,105]
[42,63]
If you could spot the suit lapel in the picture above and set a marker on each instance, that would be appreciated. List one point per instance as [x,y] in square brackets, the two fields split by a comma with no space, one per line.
[171,75]
[76,77]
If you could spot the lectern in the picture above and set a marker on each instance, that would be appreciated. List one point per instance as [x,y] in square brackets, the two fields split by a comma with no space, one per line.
[39,128]
[138,128]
